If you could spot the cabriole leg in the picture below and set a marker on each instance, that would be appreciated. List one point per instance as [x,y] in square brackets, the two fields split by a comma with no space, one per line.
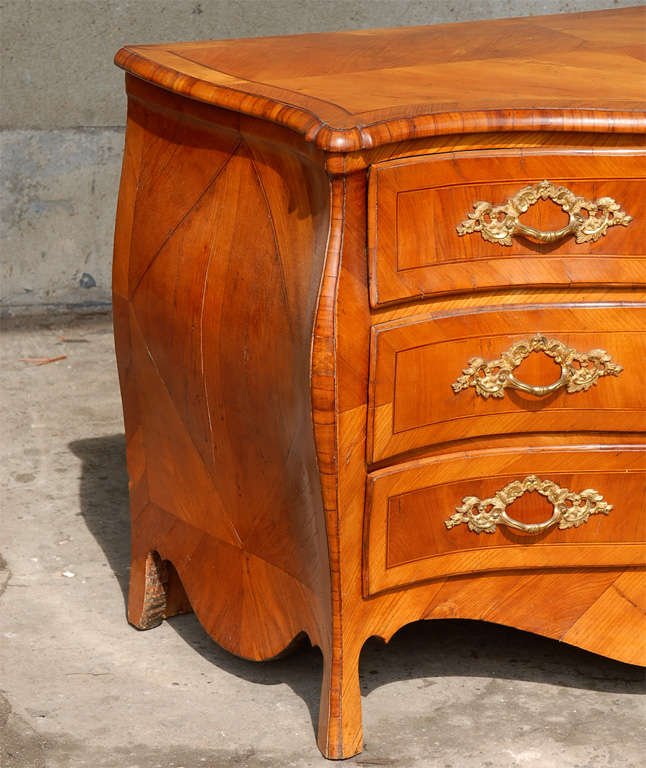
[340,732]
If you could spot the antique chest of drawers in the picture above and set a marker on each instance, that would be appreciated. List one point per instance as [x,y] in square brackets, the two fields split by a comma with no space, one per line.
[380,314]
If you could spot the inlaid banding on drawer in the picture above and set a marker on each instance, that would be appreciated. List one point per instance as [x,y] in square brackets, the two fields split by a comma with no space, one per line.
[407,539]
[414,401]
[417,205]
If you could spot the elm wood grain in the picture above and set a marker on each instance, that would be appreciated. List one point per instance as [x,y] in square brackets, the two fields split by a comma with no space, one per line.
[248,472]
[344,717]
[416,204]
[625,595]
[459,303]
[215,382]
[531,602]
[430,145]
[342,164]
[550,603]
[415,361]
[340,732]
[348,91]
[514,442]
[406,540]
[158,100]
[336,355]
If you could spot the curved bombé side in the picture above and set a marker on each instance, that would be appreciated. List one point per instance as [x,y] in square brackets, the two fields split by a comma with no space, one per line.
[214,303]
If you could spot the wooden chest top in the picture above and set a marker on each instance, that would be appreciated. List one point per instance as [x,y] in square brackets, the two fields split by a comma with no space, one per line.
[353,90]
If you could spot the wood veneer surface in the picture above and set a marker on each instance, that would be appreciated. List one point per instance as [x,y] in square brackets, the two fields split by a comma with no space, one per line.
[214,369]
[243,331]
[407,540]
[352,90]
[416,205]
[416,361]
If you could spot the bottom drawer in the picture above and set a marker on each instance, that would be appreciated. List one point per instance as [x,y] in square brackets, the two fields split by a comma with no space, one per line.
[568,507]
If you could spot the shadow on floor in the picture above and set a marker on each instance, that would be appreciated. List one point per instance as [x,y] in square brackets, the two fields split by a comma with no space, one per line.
[104,501]
[421,650]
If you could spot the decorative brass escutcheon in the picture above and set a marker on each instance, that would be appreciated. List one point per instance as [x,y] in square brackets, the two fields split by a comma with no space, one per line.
[499,223]
[579,370]
[570,509]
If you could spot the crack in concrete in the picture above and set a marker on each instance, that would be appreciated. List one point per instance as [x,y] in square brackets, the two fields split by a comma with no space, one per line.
[20,745]
[5,575]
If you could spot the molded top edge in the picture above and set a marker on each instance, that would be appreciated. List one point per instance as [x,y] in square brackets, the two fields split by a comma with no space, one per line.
[348,91]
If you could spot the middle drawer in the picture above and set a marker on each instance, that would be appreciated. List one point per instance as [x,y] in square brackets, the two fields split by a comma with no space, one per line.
[496,371]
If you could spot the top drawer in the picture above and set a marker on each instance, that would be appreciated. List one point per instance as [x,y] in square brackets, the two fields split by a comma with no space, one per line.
[416,205]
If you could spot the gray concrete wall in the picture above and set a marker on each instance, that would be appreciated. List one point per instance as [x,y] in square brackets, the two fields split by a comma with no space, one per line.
[62,114]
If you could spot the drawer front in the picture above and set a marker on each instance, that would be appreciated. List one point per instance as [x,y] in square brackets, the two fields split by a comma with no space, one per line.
[426,388]
[587,503]
[416,206]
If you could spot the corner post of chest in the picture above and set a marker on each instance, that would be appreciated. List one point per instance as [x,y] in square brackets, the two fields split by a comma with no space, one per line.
[340,733]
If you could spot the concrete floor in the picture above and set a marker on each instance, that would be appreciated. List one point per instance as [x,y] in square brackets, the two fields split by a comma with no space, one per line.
[80,687]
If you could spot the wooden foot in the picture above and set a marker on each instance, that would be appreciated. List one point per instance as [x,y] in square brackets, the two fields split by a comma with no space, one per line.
[339,731]
[155,592]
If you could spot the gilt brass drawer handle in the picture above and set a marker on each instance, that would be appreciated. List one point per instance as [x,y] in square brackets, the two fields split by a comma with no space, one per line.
[499,223]
[570,509]
[579,370]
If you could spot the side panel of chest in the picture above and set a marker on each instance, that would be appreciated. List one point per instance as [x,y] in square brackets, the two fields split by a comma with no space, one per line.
[214,305]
